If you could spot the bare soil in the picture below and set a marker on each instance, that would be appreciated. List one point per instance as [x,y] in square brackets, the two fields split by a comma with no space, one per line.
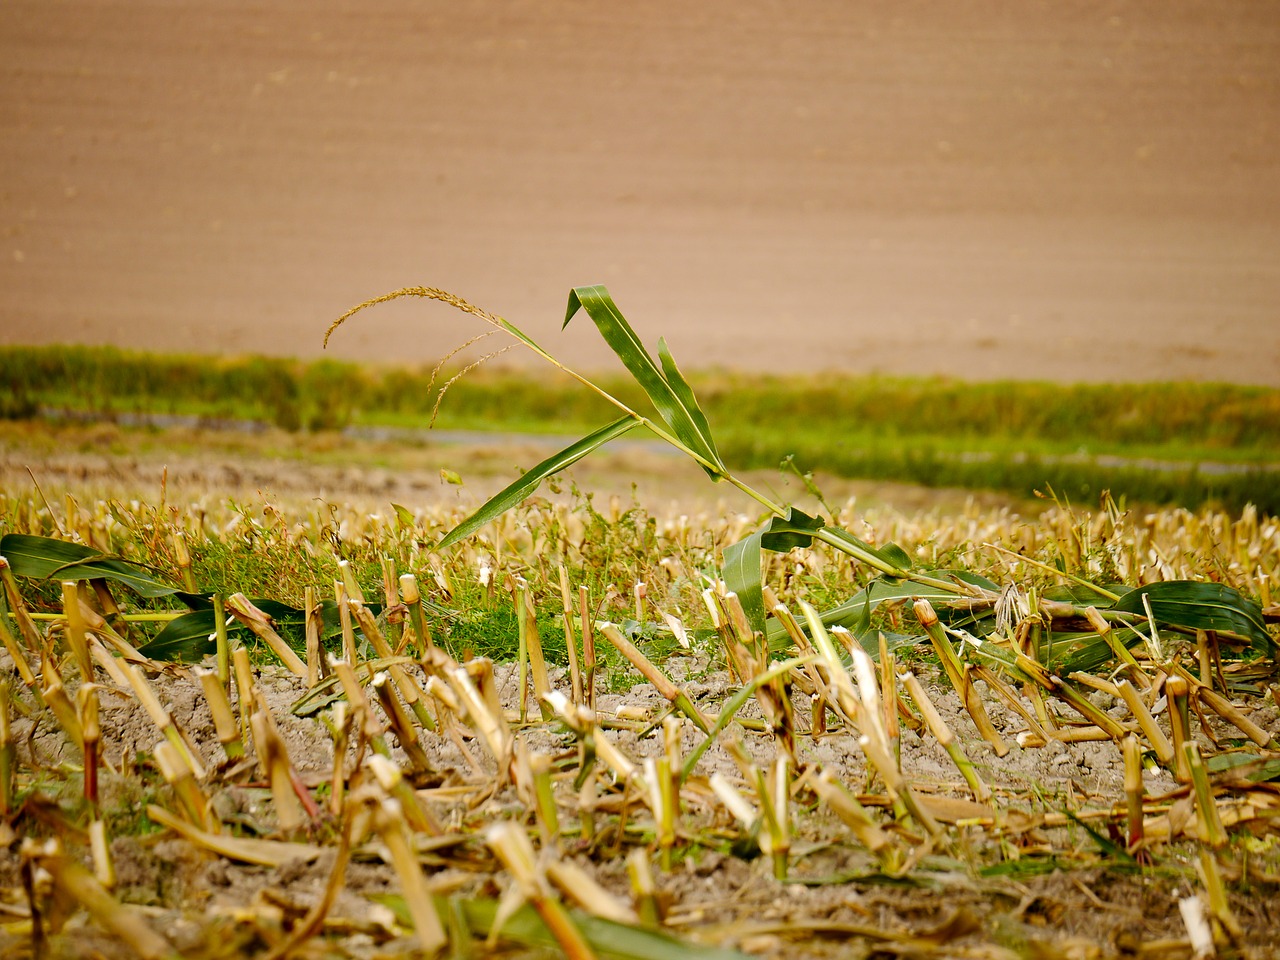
[1054,190]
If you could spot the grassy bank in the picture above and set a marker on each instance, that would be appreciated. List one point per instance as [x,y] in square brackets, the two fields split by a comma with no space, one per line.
[1010,435]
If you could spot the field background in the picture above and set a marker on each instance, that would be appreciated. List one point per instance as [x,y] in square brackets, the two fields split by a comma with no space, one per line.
[1067,191]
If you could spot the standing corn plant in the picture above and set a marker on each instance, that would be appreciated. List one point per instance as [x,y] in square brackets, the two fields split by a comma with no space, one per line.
[680,423]
[966,603]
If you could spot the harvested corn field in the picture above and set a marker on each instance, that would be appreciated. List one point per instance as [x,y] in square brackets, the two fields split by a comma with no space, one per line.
[391,776]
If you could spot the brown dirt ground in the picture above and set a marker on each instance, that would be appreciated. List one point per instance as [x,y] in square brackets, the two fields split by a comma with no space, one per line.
[1063,190]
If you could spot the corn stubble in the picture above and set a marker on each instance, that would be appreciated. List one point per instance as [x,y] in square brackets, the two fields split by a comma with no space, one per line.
[551,800]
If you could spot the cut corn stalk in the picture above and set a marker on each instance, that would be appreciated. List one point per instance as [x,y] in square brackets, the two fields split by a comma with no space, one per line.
[580,887]
[490,725]
[76,629]
[91,731]
[178,774]
[1150,729]
[571,645]
[854,815]
[315,653]
[938,727]
[511,845]
[163,721]
[80,887]
[404,728]
[643,888]
[419,635]
[417,816]
[56,697]
[388,820]
[246,691]
[1176,702]
[257,621]
[677,697]
[1133,789]
[531,643]
[8,755]
[224,719]
[1210,821]
[958,675]
[104,869]
[274,758]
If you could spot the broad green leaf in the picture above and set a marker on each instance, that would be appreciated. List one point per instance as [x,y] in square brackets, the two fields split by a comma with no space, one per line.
[796,529]
[1067,653]
[524,487]
[1197,605]
[43,558]
[187,639]
[742,566]
[742,575]
[666,388]
[684,393]
[855,613]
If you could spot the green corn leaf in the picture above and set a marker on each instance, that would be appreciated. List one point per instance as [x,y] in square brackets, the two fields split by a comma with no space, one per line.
[666,388]
[44,558]
[1067,653]
[187,639]
[1196,605]
[524,487]
[855,613]
[742,566]
[684,393]
[796,529]
[890,553]
[742,575]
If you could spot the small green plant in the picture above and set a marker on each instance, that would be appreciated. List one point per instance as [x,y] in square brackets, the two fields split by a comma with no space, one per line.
[968,603]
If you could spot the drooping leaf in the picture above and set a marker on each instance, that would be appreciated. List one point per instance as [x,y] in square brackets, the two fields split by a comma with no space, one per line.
[890,555]
[743,572]
[666,388]
[1067,653]
[1199,605]
[684,393]
[42,558]
[855,613]
[187,639]
[796,529]
[742,575]
[523,488]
